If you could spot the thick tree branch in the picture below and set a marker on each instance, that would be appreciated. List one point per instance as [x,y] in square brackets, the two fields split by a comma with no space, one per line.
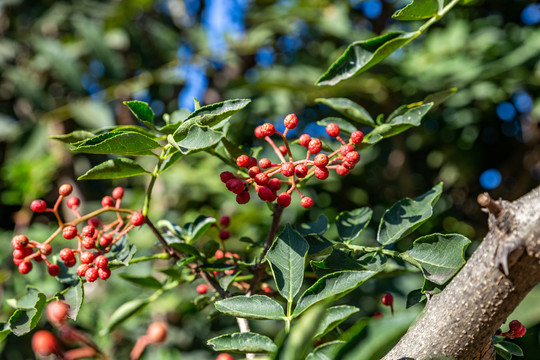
[460,321]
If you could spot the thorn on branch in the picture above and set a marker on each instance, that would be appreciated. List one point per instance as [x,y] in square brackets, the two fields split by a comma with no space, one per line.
[493,207]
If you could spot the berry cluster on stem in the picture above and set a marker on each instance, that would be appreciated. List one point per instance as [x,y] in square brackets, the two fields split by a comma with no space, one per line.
[93,240]
[261,174]
[516,329]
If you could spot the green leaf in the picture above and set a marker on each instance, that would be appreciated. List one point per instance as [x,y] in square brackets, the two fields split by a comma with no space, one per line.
[186,249]
[333,317]
[129,128]
[73,137]
[418,10]
[117,143]
[331,287]
[287,257]
[193,231]
[338,260]
[318,227]
[74,297]
[398,122]
[441,256]
[28,300]
[210,115]
[350,109]
[318,243]
[251,307]
[246,342]
[510,348]
[174,229]
[326,351]
[25,319]
[114,169]
[415,297]
[344,125]
[406,215]
[170,160]
[232,149]
[300,339]
[361,55]
[351,223]
[198,138]
[4,331]
[143,281]
[210,248]
[142,111]
[124,312]
[227,280]
[439,97]
[121,252]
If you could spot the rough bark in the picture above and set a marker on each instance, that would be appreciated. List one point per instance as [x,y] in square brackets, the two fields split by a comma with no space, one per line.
[459,322]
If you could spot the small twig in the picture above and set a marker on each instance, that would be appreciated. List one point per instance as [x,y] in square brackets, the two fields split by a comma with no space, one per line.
[493,207]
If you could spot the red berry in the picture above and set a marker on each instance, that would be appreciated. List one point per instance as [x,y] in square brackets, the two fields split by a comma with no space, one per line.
[252,162]
[267,129]
[224,221]
[70,262]
[387,299]
[357,137]
[219,254]
[107,201]
[89,231]
[261,179]
[345,149]
[105,240]
[69,232]
[224,235]
[348,165]
[53,269]
[86,257]
[266,288]
[235,185]
[342,170]
[282,149]
[321,173]
[19,241]
[157,332]
[137,219]
[266,194]
[224,356]
[306,202]
[118,193]
[201,289]
[332,129]
[95,222]
[320,160]
[18,254]
[315,146]
[353,157]
[17,261]
[287,169]
[44,343]
[66,254]
[514,325]
[102,261]
[28,251]
[254,171]
[81,269]
[65,190]
[73,202]
[258,132]
[377,315]
[265,163]
[45,249]
[38,206]
[301,170]
[88,243]
[521,331]
[284,199]
[104,273]
[226,176]
[242,161]
[274,184]
[291,121]
[25,267]
[304,140]
[91,274]
[242,198]
[57,312]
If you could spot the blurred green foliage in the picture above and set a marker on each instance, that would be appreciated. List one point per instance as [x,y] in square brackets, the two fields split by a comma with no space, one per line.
[69,65]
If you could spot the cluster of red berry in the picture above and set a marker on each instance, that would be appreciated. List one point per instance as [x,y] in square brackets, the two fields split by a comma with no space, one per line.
[516,330]
[260,174]
[95,235]
[224,223]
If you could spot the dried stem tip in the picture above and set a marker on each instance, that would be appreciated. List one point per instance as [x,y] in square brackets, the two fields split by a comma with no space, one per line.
[493,207]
